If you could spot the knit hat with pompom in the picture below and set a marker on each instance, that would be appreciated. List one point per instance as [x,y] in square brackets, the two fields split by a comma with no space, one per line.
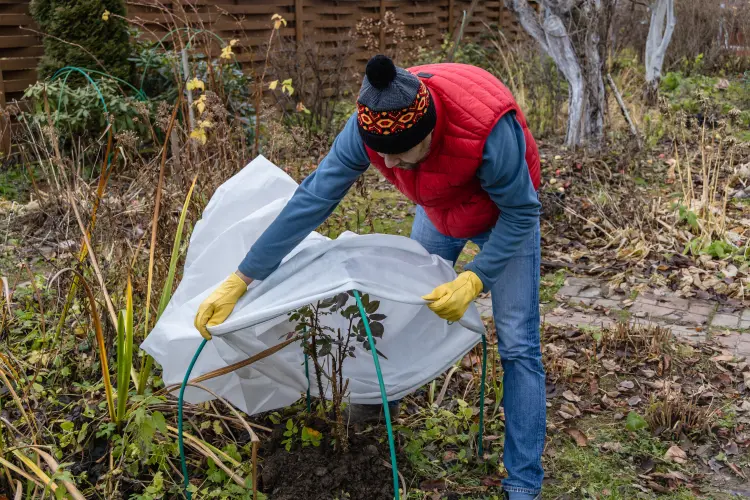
[395,111]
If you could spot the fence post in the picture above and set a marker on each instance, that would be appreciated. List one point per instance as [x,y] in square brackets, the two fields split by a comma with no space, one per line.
[382,26]
[451,6]
[4,119]
[299,22]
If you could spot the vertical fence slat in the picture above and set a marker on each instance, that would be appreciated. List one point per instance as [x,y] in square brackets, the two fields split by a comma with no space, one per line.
[299,22]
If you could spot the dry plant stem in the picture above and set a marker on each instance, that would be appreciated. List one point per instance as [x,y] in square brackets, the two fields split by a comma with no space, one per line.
[53,465]
[99,338]
[197,445]
[253,437]
[103,179]
[142,379]
[20,472]
[94,263]
[259,97]
[235,366]
[19,490]
[624,109]
[445,386]
[157,203]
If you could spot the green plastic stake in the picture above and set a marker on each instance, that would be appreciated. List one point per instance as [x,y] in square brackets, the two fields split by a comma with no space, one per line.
[183,461]
[481,396]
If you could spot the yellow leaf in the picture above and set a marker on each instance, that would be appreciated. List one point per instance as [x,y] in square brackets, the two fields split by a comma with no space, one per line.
[195,84]
[273,85]
[226,52]
[199,135]
[313,433]
[201,104]
[278,21]
[105,15]
[233,42]
[205,124]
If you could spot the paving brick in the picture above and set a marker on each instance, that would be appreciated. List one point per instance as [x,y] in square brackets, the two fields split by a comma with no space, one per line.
[590,292]
[690,318]
[746,315]
[650,309]
[701,307]
[687,333]
[580,282]
[586,301]
[730,341]
[608,304]
[723,320]
[744,325]
[569,291]
[578,319]
[673,303]
[743,348]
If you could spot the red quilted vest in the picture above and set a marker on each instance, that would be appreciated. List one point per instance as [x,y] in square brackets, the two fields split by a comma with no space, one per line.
[469,101]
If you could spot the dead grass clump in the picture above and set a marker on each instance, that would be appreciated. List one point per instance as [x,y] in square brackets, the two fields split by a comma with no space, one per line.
[675,415]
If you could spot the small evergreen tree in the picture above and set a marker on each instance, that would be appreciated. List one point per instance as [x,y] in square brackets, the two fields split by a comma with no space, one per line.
[84,23]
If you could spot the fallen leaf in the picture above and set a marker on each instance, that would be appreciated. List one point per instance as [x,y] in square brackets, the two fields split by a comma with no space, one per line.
[613,446]
[491,481]
[432,485]
[625,385]
[449,456]
[676,454]
[673,475]
[578,435]
[715,465]
[634,400]
[657,487]
[737,470]
[571,397]
[723,358]
[731,448]
[648,373]
[568,411]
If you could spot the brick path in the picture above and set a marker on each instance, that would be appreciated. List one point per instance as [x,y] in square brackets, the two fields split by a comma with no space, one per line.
[585,302]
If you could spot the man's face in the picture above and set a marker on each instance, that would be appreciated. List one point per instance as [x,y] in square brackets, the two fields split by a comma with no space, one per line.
[410,159]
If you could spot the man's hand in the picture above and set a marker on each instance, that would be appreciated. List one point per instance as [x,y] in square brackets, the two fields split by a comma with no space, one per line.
[451,300]
[219,305]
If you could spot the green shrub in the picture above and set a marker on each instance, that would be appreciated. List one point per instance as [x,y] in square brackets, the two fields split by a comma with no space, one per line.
[79,112]
[80,36]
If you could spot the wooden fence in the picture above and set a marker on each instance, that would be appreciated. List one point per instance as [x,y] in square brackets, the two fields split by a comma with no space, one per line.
[326,23]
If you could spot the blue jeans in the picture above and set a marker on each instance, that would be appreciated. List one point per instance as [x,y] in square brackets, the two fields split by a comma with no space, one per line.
[515,307]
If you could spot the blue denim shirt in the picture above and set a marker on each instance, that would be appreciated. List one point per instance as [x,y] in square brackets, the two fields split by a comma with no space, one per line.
[503,174]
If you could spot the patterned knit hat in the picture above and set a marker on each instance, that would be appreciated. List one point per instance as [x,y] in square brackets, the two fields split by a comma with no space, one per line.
[395,111]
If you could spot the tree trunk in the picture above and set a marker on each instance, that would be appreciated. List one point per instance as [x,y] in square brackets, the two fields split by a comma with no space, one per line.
[592,72]
[659,35]
[578,57]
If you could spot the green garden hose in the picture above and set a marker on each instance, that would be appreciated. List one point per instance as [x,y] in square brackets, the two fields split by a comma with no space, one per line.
[386,411]
[183,461]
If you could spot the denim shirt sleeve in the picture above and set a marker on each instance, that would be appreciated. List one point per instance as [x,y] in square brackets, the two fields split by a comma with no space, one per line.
[505,176]
[313,201]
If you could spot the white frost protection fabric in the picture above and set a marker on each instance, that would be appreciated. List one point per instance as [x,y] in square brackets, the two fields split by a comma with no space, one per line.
[395,270]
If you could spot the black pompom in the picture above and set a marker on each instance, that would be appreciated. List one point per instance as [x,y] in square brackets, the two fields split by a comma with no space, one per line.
[380,71]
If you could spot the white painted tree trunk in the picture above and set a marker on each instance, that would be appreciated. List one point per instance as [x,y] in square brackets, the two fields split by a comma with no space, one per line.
[660,32]
[586,98]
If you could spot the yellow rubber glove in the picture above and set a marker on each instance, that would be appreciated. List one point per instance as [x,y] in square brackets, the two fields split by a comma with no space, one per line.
[451,300]
[219,305]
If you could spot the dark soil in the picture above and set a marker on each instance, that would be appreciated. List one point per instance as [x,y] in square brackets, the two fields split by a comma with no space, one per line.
[325,474]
